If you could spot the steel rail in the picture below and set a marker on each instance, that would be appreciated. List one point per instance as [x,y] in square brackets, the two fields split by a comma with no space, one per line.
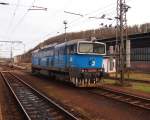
[138,101]
[15,84]
[131,80]
[15,95]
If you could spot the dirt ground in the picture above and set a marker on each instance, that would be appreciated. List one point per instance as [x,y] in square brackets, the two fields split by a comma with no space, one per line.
[92,106]
[1,101]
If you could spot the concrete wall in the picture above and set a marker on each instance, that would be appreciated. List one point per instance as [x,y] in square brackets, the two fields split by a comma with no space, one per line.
[143,66]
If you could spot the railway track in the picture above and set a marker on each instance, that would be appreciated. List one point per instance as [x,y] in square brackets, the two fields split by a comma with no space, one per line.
[34,104]
[124,97]
[132,80]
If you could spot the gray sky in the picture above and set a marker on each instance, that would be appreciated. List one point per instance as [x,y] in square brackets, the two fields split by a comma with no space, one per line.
[32,27]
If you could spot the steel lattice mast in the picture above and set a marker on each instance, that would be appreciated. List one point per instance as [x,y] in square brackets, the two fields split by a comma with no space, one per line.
[121,37]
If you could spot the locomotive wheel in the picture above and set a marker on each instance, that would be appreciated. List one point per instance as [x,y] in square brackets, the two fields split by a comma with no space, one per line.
[94,80]
[83,82]
[86,81]
[70,78]
[97,80]
[76,81]
[73,80]
[33,70]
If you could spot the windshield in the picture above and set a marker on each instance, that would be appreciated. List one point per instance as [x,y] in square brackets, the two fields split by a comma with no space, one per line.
[92,48]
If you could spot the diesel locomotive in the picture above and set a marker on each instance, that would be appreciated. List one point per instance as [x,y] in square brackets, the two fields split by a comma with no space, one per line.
[77,61]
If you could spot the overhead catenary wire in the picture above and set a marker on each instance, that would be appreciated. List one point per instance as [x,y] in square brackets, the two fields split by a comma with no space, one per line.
[18,23]
[23,17]
[82,17]
[109,10]
[104,10]
[13,16]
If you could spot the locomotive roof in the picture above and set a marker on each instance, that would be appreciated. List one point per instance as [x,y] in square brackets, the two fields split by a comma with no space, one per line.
[44,47]
[63,44]
[70,42]
[80,40]
[75,41]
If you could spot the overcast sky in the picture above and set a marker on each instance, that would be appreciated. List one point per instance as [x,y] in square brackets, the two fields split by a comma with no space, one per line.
[17,23]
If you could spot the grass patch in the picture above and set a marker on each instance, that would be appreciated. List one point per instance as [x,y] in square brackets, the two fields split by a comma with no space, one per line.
[108,81]
[141,87]
[134,75]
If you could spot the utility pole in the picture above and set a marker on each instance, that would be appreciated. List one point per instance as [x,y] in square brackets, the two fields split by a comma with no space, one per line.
[11,48]
[11,54]
[24,47]
[65,23]
[122,9]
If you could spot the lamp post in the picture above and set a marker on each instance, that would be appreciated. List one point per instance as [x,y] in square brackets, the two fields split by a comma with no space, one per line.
[65,23]
[101,30]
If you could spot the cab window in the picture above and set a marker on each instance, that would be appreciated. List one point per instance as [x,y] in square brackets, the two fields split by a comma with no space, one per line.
[71,49]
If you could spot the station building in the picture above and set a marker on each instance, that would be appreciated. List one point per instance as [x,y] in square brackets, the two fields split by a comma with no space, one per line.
[139,52]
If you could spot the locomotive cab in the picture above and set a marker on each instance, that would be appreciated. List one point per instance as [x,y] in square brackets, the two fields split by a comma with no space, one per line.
[85,62]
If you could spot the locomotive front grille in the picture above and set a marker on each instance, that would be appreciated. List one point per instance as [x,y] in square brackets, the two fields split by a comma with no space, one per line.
[92,70]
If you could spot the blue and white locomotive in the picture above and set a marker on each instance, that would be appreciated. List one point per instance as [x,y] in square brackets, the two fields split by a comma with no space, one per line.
[76,61]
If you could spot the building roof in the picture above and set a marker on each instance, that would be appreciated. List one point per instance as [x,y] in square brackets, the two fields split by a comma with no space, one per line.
[137,40]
